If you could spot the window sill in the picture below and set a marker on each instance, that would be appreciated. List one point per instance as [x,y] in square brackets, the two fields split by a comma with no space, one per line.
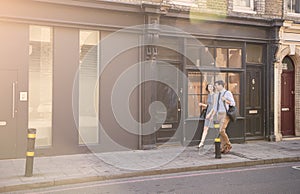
[244,10]
[293,14]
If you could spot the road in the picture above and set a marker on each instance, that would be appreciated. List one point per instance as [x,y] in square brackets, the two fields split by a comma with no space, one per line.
[280,178]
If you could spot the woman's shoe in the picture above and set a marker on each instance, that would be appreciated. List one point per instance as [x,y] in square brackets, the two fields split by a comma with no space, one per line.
[200,146]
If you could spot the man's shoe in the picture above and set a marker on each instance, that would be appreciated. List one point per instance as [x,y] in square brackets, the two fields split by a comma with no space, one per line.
[227,148]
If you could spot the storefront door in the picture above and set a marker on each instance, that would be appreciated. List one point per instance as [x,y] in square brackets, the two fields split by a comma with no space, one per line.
[287,100]
[167,91]
[8,114]
[254,106]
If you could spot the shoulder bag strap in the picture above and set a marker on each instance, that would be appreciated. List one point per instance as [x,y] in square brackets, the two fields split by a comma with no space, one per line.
[224,102]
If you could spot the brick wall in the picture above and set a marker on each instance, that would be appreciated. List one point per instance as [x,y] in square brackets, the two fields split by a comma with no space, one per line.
[259,6]
[217,5]
[273,8]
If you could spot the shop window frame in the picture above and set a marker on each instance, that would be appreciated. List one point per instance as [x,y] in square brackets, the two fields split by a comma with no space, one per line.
[203,93]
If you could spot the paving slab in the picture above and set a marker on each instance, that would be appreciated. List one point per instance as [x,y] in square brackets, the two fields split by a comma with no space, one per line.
[70,169]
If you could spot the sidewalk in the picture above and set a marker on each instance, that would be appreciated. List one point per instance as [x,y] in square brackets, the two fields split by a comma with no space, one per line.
[69,169]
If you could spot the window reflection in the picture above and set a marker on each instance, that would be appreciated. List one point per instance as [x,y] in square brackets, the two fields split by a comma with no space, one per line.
[166,94]
[220,76]
[234,83]
[254,53]
[221,57]
[88,87]
[235,58]
[192,55]
[194,92]
[40,83]
[207,56]
[207,78]
[198,82]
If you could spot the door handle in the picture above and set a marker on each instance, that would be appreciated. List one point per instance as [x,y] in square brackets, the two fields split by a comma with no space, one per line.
[285,109]
[13,99]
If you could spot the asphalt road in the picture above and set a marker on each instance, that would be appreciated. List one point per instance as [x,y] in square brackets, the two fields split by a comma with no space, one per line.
[279,178]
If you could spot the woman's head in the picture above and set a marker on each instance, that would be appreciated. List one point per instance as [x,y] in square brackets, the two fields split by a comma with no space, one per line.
[210,87]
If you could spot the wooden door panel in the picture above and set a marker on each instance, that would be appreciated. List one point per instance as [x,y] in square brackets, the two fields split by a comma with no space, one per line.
[287,103]
[166,92]
[254,96]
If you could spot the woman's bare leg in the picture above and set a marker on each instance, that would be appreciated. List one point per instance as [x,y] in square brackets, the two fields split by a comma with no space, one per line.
[204,133]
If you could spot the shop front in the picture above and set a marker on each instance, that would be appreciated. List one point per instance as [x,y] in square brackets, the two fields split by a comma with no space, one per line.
[211,51]
[65,77]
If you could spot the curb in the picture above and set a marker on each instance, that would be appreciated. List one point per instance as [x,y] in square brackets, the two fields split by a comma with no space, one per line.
[145,173]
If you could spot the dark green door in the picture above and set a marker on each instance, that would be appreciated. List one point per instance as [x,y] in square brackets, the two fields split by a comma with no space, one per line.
[168,92]
[254,106]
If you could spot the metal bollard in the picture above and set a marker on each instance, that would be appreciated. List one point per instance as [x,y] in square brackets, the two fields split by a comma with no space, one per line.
[218,148]
[30,151]
[217,142]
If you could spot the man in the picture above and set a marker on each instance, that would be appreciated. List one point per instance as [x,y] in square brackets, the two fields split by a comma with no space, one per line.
[224,99]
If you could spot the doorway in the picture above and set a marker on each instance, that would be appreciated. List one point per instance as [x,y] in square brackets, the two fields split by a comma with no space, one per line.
[8,114]
[166,91]
[287,97]
[254,105]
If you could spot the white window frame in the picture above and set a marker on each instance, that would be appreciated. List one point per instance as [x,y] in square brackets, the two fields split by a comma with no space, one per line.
[289,10]
[247,9]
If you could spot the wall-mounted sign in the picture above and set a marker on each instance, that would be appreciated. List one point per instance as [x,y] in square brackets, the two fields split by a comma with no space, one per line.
[23,96]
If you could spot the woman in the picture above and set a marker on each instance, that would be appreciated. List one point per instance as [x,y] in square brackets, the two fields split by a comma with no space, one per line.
[208,123]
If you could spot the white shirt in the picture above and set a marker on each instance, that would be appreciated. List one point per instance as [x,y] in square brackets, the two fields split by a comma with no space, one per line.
[228,95]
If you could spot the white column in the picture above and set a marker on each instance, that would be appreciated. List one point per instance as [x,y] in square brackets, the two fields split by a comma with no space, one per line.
[277,101]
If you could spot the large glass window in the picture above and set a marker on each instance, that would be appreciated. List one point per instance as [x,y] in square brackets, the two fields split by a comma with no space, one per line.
[200,56]
[233,85]
[254,53]
[221,57]
[207,56]
[293,6]
[197,88]
[231,58]
[194,93]
[88,87]
[243,5]
[40,83]
[235,58]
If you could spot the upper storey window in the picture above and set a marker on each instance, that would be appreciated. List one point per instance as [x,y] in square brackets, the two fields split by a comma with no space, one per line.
[293,6]
[243,5]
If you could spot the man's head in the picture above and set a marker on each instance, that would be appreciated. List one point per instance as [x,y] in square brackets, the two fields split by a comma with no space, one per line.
[219,85]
